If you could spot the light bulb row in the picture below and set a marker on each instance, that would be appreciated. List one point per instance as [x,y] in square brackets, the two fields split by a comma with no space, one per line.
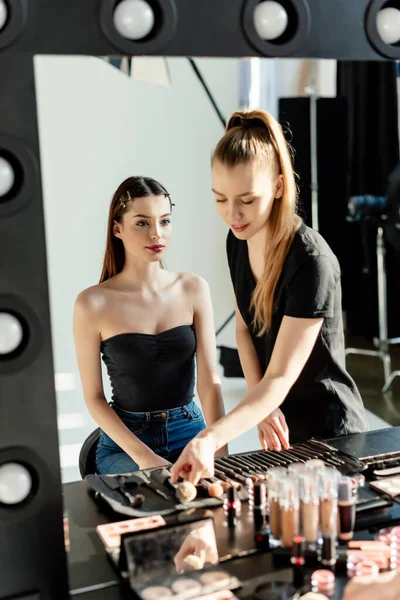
[134,20]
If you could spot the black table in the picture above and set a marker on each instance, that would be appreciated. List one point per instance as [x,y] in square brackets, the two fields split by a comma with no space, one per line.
[91,573]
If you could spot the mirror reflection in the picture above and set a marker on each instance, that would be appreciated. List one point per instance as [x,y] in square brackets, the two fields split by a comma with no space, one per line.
[131,151]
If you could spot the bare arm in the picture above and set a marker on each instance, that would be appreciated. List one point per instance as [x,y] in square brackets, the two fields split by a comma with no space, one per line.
[294,344]
[247,352]
[87,345]
[208,381]
[272,431]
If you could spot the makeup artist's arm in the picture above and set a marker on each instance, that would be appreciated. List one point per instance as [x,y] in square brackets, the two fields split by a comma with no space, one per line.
[87,346]
[295,341]
[247,352]
[272,431]
[208,381]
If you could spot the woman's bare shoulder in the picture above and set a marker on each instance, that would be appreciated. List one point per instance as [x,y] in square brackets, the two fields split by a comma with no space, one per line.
[94,298]
[193,283]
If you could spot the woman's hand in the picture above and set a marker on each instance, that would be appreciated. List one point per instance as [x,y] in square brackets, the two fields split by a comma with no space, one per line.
[273,432]
[224,451]
[196,460]
[198,542]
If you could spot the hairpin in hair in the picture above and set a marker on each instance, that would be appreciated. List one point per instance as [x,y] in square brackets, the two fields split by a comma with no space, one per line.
[128,199]
[168,195]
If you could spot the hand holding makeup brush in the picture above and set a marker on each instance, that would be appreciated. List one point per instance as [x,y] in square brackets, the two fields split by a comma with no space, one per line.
[198,543]
[197,459]
[273,431]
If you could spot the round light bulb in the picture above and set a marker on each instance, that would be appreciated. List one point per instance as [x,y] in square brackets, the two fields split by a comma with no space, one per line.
[388,24]
[6,176]
[3,14]
[11,333]
[134,19]
[270,19]
[15,483]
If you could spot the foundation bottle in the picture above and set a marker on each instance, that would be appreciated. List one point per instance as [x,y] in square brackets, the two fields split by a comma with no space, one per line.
[275,476]
[309,507]
[328,510]
[290,510]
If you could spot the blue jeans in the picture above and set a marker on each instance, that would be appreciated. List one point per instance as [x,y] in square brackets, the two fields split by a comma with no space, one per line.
[165,432]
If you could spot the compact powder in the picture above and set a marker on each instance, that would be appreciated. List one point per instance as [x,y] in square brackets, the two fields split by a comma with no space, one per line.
[156,592]
[184,585]
[221,595]
[215,578]
[323,581]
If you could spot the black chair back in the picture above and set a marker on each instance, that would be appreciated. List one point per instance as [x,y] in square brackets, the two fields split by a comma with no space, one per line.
[87,455]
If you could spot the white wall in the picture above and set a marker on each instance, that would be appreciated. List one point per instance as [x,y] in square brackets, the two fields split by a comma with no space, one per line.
[294,76]
[97,127]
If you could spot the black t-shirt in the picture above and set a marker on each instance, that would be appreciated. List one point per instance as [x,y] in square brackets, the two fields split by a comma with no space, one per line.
[324,401]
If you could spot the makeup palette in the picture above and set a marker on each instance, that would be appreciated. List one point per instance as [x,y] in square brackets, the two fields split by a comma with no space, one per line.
[389,486]
[110,533]
[222,595]
[211,584]
[180,561]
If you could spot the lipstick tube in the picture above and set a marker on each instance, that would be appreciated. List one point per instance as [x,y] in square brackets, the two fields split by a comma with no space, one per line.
[297,559]
[260,504]
[231,507]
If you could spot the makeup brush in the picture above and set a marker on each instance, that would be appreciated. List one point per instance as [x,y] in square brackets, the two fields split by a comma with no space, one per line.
[225,485]
[186,491]
[215,490]
[231,463]
[192,563]
[229,472]
[152,486]
[227,480]
[134,501]
[252,470]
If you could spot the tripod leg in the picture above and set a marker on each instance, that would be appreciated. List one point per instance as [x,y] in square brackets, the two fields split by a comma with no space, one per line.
[382,303]
[389,381]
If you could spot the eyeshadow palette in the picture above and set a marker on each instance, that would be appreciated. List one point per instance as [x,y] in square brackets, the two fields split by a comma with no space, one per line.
[111,533]
[389,486]
[210,584]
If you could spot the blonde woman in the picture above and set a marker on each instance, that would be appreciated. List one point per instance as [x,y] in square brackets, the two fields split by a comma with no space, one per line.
[287,287]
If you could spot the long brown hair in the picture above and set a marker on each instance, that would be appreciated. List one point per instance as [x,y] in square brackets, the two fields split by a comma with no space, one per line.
[256,135]
[127,192]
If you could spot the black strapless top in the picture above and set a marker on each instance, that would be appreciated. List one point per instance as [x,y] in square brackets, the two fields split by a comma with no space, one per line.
[151,371]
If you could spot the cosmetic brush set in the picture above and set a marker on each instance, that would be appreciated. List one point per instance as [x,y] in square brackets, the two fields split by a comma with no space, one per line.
[149,492]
